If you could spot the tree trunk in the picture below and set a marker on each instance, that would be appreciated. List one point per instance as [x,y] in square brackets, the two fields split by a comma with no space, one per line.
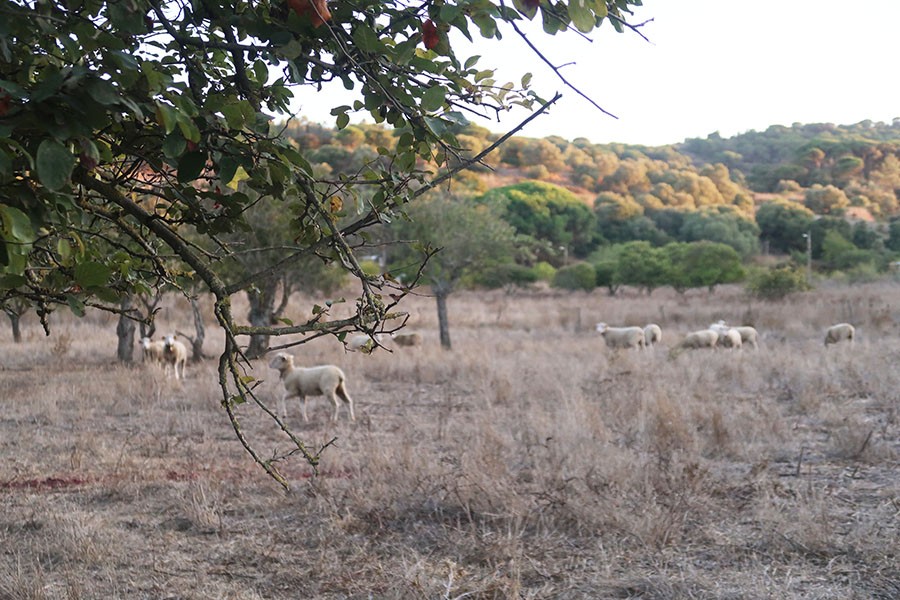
[125,332]
[262,313]
[200,330]
[440,295]
[14,319]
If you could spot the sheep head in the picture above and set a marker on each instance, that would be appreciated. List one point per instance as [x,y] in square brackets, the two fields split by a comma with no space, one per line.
[281,361]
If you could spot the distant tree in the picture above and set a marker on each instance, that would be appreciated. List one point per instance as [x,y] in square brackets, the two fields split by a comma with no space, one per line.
[721,224]
[825,200]
[469,239]
[579,276]
[546,212]
[782,223]
[642,265]
[702,264]
[840,254]
[893,240]
[864,236]
[820,227]
[777,283]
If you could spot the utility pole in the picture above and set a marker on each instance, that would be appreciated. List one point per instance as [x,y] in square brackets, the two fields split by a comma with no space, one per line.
[808,237]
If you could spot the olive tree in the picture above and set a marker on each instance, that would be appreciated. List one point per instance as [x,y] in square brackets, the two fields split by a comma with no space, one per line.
[127,127]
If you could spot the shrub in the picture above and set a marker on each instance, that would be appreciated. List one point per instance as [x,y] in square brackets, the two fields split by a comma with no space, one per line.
[777,283]
[580,276]
[544,271]
[505,274]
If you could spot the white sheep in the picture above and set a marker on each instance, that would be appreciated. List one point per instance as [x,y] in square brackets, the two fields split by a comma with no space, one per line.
[705,338]
[174,355]
[152,351]
[621,337]
[729,337]
[407,339]
[839,333]
[749,335]
[325,380]
[363,342]
[652,335]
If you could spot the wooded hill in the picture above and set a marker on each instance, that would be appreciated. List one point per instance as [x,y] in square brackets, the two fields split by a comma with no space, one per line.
[752,191]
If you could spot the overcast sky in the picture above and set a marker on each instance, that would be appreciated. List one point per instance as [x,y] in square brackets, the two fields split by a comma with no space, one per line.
[710,65]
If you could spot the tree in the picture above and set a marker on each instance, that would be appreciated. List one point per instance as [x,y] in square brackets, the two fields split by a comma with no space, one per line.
[469,239]
[702,264]
[546,212]
[642,265]
[783,223]
[122,123]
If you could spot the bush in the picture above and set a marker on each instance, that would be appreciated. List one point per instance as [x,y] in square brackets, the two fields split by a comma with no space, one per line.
[777,283]
[544,271]
[505,274]
[580,276]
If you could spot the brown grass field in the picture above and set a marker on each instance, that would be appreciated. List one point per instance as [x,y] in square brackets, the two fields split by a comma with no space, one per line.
[528,462]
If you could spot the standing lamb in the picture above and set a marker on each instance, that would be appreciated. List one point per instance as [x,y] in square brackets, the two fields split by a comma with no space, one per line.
[729,337]
[749,335]
[174,355]
[621,337]
[705,338]
[839,333]
[325,380]
[152,351]
[652,335]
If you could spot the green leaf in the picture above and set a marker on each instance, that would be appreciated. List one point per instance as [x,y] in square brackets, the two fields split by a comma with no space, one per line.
[75,305]
[234,116]
[10,282]
[343,120]
[367,40]
[190,165]
[582,16]
[15,225]
[433,98]
[174,145]
[91,274]
[54,164]
[166,117]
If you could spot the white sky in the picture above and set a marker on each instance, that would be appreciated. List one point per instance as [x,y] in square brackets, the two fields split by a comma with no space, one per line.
[711,65]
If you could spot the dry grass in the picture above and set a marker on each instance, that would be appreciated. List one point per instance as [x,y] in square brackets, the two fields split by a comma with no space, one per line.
[529,462]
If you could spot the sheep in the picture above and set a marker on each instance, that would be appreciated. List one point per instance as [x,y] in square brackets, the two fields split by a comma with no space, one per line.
[325,380]
[839,333]
[152,351]
[729,337]
[705,338]
[749,335]
[174,355]
[621,337]
[407,339]
[363,342]
[652,335]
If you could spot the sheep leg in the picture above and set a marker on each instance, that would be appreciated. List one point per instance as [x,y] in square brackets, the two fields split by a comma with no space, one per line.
[337,406]
[282,405]
[303,408]
[342,392]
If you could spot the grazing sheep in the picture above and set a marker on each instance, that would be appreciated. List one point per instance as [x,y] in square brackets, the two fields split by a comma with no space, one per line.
[705,338]
[621,337]
[839,333]
[152,351]
[174,355]
[407,339]
[652,335]
[749,335]
[729,337]
[363,342]
[325,380]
